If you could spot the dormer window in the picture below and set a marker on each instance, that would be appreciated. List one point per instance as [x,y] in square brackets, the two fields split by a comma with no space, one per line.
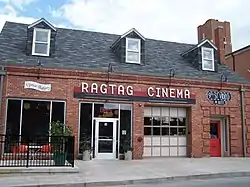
[41,42]
[207,58]
[133,50]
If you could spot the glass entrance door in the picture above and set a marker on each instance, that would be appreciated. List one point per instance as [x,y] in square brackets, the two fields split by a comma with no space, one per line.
[105,143]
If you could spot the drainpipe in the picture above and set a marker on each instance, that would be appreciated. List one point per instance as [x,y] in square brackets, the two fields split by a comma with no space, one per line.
[2,74]
[242,90]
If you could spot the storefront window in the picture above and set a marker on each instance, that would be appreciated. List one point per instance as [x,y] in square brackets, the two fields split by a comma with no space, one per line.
[106,110]
[85,131]
[30,120]
[125,124]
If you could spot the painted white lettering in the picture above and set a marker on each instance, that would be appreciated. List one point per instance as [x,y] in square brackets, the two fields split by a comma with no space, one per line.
[164,92]
[85,87]
[179,93]
[112,88]
[187,94]
[130,90]
[94,88]
[120,90]
[172,93]
[150,92]
[158,91]
[103,89]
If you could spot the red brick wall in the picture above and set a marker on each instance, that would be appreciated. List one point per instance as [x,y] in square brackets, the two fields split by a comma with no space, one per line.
[199,114]
[242,62]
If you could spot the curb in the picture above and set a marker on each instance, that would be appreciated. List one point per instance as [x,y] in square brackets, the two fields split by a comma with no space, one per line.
[146,181]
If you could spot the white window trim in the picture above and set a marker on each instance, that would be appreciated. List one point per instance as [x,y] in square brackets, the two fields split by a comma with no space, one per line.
[139,50]
[202,52]
[34,41]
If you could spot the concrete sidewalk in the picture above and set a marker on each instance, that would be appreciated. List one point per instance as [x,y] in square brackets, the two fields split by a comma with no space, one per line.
[106,173]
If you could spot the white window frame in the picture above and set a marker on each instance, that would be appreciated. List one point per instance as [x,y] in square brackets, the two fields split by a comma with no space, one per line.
[34,41]
[203,62]
[129,50]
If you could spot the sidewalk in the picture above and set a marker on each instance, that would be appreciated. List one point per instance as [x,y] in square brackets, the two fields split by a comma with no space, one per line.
[105,173]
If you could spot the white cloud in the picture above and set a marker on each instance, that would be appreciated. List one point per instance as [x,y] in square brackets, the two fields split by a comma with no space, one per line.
[160,19]
[9,13]
[18,3]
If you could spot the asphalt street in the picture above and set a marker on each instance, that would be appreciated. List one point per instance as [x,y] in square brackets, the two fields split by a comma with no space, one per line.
[221,182]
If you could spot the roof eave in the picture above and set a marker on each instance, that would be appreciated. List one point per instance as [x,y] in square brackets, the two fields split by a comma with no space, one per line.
[42,20]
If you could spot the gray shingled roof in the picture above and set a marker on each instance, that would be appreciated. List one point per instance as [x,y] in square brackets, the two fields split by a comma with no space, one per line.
[77,49]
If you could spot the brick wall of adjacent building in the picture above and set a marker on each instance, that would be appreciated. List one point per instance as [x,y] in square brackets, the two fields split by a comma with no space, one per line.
[63,83]
[240,62]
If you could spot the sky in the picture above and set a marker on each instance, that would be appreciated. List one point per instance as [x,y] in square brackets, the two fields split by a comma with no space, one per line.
[158,19]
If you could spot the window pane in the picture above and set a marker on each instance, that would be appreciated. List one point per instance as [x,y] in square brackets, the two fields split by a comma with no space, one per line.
[41,48]
[147,130]
[182,131]
[208,64]
[42,36]
[147,121]
[156,121]
[133,45]
[133,56]
[106,110]
[207,54]
[173,122]
[57,111]
[156,131]
[182,121]
[165,121]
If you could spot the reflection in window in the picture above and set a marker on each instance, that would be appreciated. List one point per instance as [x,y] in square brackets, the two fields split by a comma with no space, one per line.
[106,110]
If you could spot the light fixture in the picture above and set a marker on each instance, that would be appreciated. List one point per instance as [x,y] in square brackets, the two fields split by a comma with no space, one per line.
[26,106]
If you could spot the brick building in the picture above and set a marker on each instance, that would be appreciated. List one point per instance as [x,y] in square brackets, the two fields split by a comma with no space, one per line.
[219,33]
[170,99]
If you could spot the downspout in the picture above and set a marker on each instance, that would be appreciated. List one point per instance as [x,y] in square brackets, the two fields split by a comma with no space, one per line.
[242,90]
[2,74]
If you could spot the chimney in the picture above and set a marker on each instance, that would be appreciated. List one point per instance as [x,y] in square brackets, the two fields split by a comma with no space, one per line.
[219,43]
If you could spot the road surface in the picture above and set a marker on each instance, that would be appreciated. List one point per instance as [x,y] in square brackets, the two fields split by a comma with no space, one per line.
[222,182]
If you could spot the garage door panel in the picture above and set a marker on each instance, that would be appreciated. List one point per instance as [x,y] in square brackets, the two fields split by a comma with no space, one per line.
[164,151]
[156,141]
[182,151]
[156,151]
[173,140]
[147,141]
[165,140]
[147,151]
[173,151]
[182,140]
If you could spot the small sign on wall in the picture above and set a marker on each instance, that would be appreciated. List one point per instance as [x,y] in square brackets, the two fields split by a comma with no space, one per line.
[124,132]
[37,86]
[219,98]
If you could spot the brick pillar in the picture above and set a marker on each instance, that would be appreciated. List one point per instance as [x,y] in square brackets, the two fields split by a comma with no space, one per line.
[138,130]
[72,119]
[195,132]
[219,42]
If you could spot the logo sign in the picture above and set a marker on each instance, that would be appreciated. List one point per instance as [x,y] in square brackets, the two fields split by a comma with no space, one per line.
[219,98]
[37,86]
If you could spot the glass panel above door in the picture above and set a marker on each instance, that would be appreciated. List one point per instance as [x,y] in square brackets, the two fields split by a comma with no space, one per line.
[106,110]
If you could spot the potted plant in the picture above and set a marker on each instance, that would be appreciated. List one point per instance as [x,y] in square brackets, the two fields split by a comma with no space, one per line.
[85,147]
[59,133]
[127,148]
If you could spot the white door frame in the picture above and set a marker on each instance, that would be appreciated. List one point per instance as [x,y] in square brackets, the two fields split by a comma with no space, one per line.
[105,155]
